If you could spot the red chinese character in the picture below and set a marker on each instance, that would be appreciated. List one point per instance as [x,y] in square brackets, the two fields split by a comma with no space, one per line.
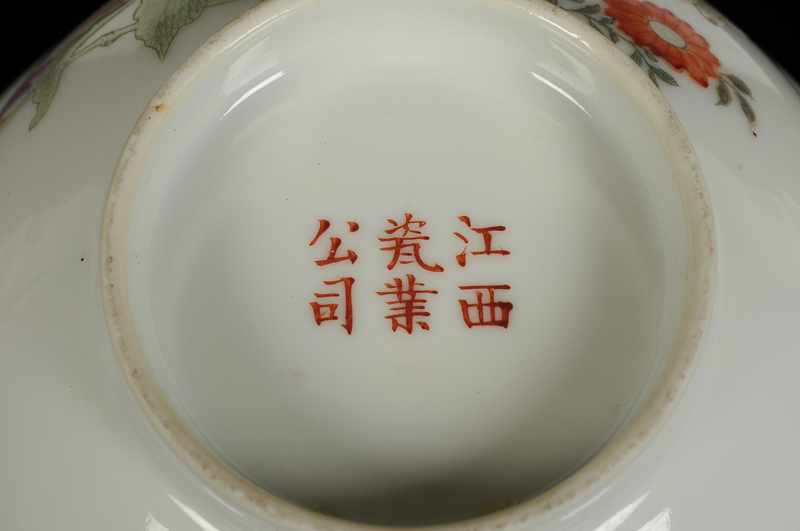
[327,311]
[486,232]
[487,313]
[406,304]
[407,243]
[336,242]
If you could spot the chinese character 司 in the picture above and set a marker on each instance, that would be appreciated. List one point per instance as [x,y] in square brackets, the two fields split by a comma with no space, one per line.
[326,311]
[486,233]
[406,307]
[404,241]
[486,311]
[336,242]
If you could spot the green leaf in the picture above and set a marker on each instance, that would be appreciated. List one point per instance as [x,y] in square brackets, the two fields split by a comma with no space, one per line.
[723,93]
[653,77]
[588,10]
[748,111]
[740,85]
[46,86]
[613,35]
[600,29]
[664,76]
[649,55]
[159,21]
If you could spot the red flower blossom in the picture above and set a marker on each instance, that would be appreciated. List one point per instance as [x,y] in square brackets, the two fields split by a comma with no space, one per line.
[637,18]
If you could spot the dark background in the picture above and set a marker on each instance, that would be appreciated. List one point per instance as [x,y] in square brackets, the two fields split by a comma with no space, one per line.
[31,28]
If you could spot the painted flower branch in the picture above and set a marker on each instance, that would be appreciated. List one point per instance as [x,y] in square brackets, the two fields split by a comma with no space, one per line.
[653,35]
[106,39]
[156,23]
[650,34]
[640,55]
[45,81]
[730,83]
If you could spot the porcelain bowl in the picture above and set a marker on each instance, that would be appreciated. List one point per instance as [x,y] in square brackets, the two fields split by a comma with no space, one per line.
[377,263]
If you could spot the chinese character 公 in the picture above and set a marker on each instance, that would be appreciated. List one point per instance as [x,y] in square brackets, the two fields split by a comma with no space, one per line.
[336,242]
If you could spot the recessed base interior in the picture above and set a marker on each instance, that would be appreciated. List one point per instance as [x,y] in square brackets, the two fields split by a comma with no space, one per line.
[362,111]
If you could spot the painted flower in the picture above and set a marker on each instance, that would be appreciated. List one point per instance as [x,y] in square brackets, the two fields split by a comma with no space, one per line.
[667,36]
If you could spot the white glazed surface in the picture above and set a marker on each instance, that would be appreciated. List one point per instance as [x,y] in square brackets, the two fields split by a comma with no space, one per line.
[533,130]
[77,457]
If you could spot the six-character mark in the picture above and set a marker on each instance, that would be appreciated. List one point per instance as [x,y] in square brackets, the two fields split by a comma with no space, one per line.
[405,296]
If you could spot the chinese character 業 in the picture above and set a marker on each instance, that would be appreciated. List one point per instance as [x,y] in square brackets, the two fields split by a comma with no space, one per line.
[406,305]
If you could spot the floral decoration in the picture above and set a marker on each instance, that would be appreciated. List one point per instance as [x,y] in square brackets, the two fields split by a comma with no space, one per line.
[655,38]
[635,18]
[155,23]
